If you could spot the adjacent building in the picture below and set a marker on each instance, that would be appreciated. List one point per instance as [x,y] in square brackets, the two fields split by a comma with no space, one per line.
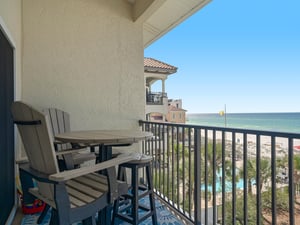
[158,106]
[156,102]
[176,114]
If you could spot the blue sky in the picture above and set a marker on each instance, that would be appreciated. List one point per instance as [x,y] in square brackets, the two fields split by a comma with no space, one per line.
[245,54]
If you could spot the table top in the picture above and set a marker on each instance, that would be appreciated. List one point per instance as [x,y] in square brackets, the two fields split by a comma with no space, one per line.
[104,136]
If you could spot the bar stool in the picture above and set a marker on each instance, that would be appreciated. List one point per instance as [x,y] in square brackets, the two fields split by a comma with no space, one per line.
[127,207]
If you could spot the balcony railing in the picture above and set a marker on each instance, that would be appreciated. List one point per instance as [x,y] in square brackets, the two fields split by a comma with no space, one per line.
[155,98]
[215,175]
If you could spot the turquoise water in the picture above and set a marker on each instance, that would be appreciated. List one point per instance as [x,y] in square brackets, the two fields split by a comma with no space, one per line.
[282,122]
[228,186]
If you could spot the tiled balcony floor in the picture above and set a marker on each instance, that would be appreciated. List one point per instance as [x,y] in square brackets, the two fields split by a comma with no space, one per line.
[164,217]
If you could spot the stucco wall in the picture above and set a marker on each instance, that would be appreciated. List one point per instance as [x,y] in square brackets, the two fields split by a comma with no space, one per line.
[85,57]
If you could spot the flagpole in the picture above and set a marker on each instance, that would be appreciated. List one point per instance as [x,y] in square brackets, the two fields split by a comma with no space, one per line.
[225,115]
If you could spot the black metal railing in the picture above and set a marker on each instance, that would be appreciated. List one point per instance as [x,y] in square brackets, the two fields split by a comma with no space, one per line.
[216,175]
[155,98]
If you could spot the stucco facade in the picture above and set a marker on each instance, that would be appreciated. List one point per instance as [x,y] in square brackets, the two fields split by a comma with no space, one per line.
[86,58]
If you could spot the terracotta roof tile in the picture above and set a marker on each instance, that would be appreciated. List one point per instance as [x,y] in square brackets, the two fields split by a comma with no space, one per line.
[153,65]
[173,108]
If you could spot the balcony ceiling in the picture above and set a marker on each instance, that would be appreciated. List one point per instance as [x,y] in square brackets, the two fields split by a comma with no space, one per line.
[160,16]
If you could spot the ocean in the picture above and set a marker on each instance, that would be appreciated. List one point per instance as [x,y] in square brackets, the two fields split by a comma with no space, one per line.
[282,122]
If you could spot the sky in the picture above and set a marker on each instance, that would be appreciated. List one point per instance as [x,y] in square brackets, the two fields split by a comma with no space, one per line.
[242,54]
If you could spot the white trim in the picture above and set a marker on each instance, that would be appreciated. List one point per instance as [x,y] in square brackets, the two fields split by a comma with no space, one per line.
[6,32]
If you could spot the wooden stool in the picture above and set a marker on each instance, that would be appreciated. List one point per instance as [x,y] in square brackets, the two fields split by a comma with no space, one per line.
[127,206]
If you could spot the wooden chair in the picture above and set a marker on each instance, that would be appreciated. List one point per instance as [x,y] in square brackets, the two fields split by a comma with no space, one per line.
[74,195]
[60,123]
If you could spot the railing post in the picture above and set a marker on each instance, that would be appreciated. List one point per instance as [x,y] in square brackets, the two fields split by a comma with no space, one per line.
[291,181]
[197,173]
[191,208]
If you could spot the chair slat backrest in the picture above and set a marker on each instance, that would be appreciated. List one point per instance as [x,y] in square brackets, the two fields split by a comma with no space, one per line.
[34,129]
[60,123]
[60,120]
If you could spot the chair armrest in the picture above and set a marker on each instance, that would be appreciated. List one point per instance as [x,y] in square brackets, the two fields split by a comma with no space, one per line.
[22,160]
[70,174]
[42,177]
[62,152]
[69,151]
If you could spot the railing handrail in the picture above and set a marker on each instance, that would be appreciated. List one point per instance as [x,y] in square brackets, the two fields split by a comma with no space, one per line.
[182,149]
[227,129]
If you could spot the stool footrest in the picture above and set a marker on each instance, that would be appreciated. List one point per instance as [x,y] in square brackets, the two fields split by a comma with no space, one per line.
[129,219]
[145,208]
[129,207]
[140,196]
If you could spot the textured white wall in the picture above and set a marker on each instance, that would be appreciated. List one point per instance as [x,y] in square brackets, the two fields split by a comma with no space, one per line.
[85,57]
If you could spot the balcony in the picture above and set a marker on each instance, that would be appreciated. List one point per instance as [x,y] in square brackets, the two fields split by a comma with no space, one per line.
[157,103]
[189,163]
[155,98]
[215,175]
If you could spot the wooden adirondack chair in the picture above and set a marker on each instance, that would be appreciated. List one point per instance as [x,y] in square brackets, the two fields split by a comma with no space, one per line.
[60,123]
[74,195]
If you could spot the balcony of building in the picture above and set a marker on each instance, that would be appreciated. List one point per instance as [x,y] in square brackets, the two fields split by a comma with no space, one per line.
[156,73]
[217,175]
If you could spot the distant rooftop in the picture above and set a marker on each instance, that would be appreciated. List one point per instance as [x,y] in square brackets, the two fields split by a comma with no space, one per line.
[173,108]
[155,66]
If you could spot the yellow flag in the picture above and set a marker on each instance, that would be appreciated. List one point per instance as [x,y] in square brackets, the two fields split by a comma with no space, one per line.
[222,113]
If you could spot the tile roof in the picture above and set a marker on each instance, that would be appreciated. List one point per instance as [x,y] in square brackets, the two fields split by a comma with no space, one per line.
[173,108]
[156,66]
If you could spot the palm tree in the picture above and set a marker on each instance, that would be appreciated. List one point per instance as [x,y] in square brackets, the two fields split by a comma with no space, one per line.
[264,174]
[208,161]
[251,172]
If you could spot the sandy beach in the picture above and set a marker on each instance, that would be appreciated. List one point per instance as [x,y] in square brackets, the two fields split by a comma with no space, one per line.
[281,144]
